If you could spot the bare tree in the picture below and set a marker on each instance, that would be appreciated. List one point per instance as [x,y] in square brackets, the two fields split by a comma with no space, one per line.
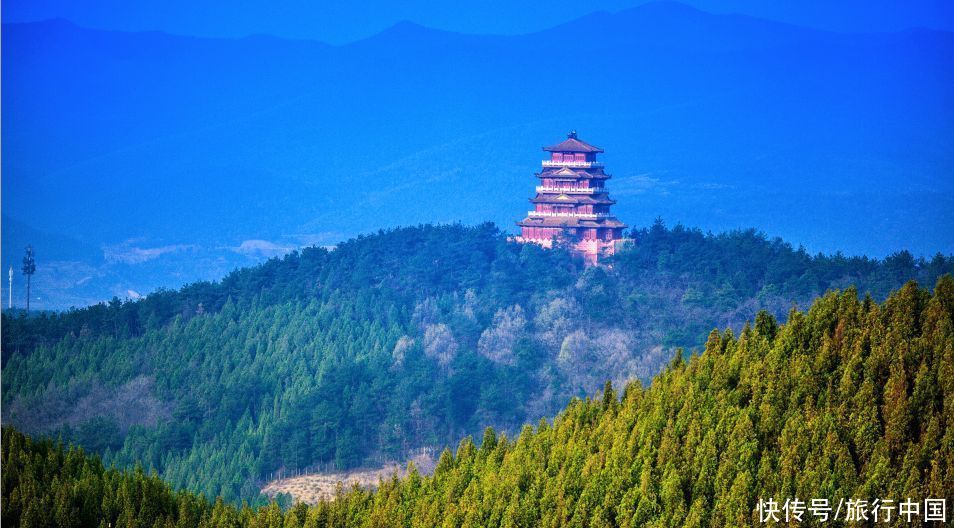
[555,320]
[400,350]
[439,343]
[426,313]
[497,341]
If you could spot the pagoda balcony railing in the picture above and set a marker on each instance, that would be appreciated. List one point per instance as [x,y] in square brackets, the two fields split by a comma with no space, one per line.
[573,164]
[570,215]
[568,190]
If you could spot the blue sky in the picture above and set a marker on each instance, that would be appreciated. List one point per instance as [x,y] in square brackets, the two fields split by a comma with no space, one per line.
[339,21]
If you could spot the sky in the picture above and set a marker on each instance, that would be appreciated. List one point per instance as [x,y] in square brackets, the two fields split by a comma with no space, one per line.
[342,21]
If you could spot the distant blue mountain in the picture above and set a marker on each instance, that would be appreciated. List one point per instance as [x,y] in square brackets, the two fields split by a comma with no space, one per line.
[196,155]
[341,21]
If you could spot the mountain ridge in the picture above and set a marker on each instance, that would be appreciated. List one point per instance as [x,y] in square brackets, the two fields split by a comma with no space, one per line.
[656,7]
[295,141]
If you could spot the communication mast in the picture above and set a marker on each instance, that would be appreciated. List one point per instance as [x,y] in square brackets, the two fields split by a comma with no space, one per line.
[29,268]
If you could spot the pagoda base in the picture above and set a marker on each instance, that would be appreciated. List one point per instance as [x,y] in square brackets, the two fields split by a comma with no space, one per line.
[589,250]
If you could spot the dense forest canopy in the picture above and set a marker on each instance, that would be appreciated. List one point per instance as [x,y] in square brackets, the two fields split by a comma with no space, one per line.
[849,400]
[406,338]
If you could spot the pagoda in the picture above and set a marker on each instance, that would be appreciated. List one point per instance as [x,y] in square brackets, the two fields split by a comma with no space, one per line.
[572,206]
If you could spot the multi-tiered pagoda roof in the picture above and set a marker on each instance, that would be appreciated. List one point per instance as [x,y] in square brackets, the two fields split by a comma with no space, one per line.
[572,205]
[572,144]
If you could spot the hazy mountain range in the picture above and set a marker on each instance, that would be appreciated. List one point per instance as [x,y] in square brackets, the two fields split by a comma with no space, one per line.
[138,160]
[343,21]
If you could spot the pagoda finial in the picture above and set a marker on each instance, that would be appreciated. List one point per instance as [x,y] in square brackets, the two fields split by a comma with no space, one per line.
[572,134]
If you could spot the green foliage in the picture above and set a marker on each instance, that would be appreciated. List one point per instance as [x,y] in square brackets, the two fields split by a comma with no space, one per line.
[850,399]
[407,338]
[700,280]
[46,485]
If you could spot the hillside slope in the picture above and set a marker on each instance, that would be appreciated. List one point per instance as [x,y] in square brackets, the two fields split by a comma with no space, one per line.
[849,400]
[326,360]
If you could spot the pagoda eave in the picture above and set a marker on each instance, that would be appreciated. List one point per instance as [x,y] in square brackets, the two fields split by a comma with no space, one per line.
[572,221]
[582,176]
[571,200]
[571,144]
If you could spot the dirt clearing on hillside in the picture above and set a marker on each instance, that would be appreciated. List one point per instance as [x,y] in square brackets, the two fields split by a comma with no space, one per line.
[313,487]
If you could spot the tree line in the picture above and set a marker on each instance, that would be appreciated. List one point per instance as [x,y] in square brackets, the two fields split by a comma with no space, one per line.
[402,339]
[850,399]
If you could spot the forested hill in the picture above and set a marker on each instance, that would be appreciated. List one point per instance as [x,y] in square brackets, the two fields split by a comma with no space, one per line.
[407,338]
[411,263]
[849,400]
